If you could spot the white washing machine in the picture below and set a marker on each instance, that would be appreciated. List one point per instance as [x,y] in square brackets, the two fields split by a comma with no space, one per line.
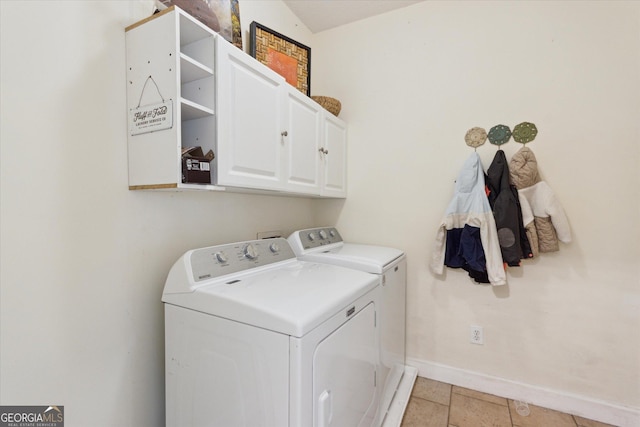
[389,265]
[256,337]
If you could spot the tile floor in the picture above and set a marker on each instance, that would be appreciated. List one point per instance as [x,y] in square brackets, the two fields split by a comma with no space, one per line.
[436,404]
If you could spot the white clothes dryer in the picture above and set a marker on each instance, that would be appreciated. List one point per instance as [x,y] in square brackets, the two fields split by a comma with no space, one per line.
[256,337]
[325,245]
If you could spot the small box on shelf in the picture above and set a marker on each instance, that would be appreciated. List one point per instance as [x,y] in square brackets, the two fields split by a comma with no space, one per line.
[196,168]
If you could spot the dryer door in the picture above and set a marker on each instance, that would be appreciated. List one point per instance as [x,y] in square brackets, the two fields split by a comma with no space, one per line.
[344,373]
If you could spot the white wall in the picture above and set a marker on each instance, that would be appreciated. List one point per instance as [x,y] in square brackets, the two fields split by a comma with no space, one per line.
[83,259]
[273,14]
[412,82]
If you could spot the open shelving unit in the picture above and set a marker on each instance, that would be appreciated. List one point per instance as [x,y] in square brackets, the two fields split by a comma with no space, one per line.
[181,62]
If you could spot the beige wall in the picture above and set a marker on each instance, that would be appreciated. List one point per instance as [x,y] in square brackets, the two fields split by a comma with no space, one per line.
[275,15]
[412,82]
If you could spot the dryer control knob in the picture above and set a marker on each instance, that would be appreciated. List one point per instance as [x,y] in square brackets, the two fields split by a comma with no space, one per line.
[323,234]
[250,252]
[311,237]
[332,233]
[274,248]
[221,257]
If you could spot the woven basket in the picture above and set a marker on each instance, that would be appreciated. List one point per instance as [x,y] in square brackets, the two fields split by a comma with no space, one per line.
[332,105]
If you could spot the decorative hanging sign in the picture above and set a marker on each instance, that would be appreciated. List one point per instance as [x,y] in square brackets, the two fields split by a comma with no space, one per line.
[152,117]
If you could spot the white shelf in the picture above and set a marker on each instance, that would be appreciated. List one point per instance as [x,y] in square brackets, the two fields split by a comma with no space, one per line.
[191,70]
[192,30]
[191,111]
[201,187]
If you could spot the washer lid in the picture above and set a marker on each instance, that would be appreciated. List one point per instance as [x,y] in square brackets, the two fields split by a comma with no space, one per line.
[292,298]
[368,258]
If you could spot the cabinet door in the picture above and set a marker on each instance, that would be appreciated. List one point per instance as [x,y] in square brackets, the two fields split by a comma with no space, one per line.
[334,157]
[344,373]
[302,143]
[250,121]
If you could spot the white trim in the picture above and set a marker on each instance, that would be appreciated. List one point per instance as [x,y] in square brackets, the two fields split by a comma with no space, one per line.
[582,406]
[401,398]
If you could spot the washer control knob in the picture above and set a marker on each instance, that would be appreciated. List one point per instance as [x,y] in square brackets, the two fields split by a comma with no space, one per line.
[332,233]
[221,257]
[274,248]
[250,252]
[323,234]
[311,237]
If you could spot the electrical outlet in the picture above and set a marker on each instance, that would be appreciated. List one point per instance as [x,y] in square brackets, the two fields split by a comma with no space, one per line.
[477,337]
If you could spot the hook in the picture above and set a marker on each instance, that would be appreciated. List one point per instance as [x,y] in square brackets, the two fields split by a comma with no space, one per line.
[499,134]
[475,137]
[525,132]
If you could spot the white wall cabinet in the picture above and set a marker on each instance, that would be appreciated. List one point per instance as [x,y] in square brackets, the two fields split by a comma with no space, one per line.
[266,135]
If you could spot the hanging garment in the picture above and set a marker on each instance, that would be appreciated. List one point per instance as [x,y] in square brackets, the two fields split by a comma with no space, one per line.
[503,198]
[543,216]
[467,236]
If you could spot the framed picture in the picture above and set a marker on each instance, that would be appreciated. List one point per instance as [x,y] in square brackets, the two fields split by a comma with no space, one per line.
[222,16]
[285,56]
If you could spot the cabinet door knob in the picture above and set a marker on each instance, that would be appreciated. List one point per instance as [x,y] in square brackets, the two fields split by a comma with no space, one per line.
[323,151]
[284,133]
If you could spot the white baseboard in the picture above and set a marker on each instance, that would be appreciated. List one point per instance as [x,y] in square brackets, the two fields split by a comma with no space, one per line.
[582,406]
